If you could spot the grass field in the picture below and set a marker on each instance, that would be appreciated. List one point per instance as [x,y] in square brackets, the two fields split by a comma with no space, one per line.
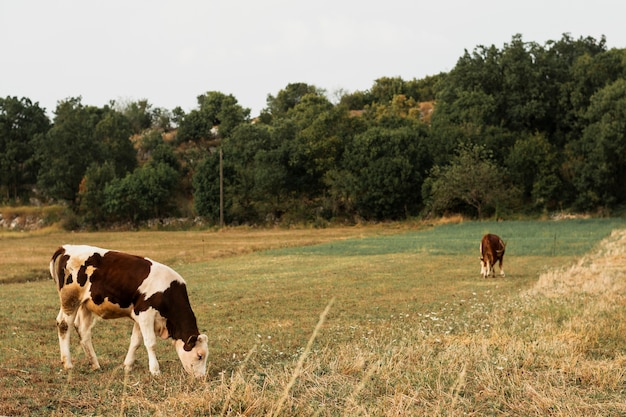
[371,320]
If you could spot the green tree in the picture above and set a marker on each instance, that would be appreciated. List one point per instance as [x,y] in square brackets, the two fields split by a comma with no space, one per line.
[144,194]
[244,171]
[112,133]
[534,166]
[313,147]
[288,98]
[206,188]
[386,88]
[472,180]
[597,162]
[21,122]
[591,70]
[139,114]
[67,149]
[424,89]
[383,172]
[215,110]
[92,197]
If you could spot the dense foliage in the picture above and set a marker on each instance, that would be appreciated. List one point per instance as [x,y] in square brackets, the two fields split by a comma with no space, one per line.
[525,127]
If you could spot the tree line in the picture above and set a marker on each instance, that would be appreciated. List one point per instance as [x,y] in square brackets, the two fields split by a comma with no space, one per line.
[525,128]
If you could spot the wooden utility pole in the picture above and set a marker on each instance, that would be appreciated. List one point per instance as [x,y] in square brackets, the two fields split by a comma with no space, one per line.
[221,189]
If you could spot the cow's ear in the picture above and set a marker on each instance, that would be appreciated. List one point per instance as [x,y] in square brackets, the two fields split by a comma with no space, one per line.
[191,342]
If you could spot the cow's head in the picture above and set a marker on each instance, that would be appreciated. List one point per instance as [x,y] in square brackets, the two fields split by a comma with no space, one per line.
[193,354]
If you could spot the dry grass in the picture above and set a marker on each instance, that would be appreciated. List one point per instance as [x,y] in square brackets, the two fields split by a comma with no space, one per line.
[31,251]
[554,347]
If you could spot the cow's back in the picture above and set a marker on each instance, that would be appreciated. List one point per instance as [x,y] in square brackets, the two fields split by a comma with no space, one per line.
[486,248]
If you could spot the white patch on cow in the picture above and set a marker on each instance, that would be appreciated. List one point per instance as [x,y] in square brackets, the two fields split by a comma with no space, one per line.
[159,279]
[80,253]
[146,321]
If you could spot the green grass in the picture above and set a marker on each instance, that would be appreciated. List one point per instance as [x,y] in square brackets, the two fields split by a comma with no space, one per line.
[412,330]
[523,238]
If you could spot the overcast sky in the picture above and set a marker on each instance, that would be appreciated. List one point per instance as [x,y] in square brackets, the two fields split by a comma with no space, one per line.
[169,52]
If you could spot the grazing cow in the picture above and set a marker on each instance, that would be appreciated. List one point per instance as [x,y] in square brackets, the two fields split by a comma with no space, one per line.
[110,284]
[491,251]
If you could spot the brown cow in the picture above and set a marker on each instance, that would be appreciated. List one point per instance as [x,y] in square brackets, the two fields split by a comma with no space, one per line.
[491,251]
[99,282]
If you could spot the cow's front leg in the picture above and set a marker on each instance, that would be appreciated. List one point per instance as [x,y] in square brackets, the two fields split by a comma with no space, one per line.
[146,324]
[485,269]
[135,342]
[63,330]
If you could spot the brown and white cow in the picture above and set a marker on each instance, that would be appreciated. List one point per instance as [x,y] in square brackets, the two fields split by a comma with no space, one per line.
[491,251]
[93,282]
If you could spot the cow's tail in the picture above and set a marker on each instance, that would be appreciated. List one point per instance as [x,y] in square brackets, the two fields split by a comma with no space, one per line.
[54,265]
[503,246]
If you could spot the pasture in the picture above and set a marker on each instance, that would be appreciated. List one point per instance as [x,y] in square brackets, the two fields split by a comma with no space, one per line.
[369,320]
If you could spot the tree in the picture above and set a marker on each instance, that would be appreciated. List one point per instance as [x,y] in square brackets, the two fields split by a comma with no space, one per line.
[591,70]
[67,149]
[144,194]
[112,133]
[91,195]
[244,170]
[312,145]
[597,162]
[472,179]
[288,98]
[386,88]
[533,164]
[21,122]
[139,114]
[223,111]
[383,171]
[206,186]
[215,110]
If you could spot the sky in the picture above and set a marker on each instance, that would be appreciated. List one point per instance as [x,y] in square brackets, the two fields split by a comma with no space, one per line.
[170,52]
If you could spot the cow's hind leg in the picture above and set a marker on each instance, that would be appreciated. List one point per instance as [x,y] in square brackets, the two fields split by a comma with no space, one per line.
[135,342]
[84,323]
[63,329]
[501,269]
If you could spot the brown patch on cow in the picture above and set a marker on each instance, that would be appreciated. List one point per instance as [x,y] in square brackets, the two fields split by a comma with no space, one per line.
[63,327]
[60,250]
[71,298]
[116,277]
[58,266]
[108,310]
[173,304]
